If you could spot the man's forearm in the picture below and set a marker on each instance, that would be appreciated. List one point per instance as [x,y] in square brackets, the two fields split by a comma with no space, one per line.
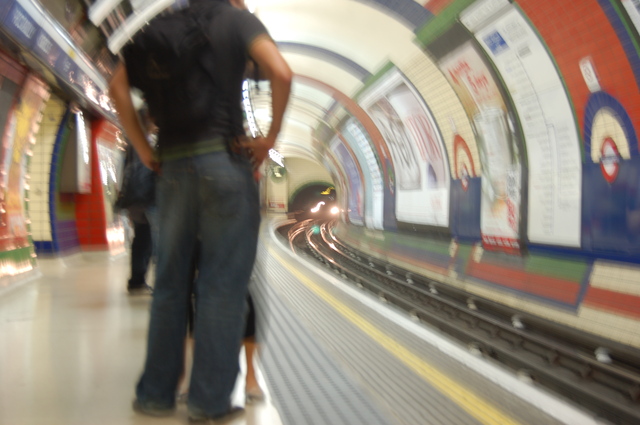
[280,90]
[120,92]
[277,71]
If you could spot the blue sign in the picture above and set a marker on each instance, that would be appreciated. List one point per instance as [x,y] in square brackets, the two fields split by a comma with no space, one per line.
[46,49]
[5,7]
[66,68]
[21,25]
[496,43]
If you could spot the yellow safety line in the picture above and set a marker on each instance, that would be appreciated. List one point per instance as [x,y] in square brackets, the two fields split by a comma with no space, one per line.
[476,406]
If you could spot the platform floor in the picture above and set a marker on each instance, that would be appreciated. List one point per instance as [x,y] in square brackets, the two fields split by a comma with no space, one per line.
[72,345]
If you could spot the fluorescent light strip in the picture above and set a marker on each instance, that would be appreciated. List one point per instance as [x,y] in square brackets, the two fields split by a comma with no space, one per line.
[134,22]
[101,9]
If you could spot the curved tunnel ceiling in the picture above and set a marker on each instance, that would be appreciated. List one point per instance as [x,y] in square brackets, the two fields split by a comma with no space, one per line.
[340,43]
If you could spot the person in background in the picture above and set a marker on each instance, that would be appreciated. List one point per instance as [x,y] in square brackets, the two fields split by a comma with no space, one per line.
[137,197]
[141,251]
[206,194]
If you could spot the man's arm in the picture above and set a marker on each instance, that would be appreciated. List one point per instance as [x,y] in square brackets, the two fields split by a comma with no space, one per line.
[120,92]
[277,71]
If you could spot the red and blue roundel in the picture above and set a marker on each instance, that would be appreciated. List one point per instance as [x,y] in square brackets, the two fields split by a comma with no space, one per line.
[464,177]
[609,159]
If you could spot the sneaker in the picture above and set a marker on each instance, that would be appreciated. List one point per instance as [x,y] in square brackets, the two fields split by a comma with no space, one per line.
[233,413]
[151,410]
[140,290]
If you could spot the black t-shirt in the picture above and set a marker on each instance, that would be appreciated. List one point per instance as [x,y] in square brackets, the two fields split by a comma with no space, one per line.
[231,33]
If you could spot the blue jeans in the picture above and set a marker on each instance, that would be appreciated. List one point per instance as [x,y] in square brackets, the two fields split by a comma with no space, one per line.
[213,200]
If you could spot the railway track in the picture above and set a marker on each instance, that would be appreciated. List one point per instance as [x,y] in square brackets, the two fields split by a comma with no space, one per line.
[601,375]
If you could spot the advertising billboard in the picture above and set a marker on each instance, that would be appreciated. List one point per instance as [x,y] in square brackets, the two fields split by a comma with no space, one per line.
[499,152]
[17,148]
[420,164]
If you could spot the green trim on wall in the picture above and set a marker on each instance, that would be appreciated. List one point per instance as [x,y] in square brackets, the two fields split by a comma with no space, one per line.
[464,253]
[624,17]
[570,269]
[19,255]
[375,77]
[391,240]
[573,270]
[423,243]
[441,22]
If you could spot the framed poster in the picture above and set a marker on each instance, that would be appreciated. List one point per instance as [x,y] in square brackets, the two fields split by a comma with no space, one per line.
[420,164]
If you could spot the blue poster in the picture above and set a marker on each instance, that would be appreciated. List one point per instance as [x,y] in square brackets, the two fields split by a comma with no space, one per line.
[352,174]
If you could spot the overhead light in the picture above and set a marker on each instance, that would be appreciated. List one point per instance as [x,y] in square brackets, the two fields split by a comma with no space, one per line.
[101,9]
[134,22]
[276,157]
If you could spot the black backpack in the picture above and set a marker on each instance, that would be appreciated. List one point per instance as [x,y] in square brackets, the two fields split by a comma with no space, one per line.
[138,183]
[170,63]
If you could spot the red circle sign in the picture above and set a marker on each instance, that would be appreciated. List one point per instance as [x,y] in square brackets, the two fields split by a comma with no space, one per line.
[609,160]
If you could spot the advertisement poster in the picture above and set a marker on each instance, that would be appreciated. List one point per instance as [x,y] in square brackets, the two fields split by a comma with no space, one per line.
[83,158]
[374,185]
[16,149]
[420,165]
[551,137]
[355,204]
[110,160]
[498,149]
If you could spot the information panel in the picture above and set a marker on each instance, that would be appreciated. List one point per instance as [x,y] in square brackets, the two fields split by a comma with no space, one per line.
[553,149]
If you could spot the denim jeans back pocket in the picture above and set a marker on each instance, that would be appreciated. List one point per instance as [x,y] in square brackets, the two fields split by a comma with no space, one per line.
[222,196]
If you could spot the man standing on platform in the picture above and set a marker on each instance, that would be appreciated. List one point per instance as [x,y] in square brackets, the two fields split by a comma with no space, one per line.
[205,190]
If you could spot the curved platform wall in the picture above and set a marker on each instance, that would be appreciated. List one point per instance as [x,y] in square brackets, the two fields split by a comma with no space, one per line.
[22,98]
[43,208]
[514,132]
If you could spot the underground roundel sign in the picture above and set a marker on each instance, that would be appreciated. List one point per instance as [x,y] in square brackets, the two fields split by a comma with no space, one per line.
[609,160]
[464,177]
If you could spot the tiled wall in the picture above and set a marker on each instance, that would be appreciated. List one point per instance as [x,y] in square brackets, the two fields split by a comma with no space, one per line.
[61,207]
[41,168]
